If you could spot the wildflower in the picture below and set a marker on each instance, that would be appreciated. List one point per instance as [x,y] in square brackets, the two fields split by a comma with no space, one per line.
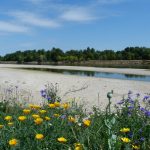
[146,97]
[8,118]
[38,121]
[138,94]
[51,105]
[142,139]
[56,115]
[47,118]
[35,116]
[131,107]
[10,123]
[62,140]
[57,104]
[22,118]
[71,119]
[63,116]
[87,122]
[124,130]
[147,113]
[1,126]
[26,111]
[130,134]
[126,140]
[43,93]
[65,105]
[34,106]
[78,146]
[135,147]
[130,101]
[37,107]
[121,102]
[13,142]
[48,98]
[43,111]
[39,136]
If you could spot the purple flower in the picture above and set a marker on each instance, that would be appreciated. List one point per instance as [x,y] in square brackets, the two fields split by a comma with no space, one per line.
[147,113]
[130,101]
[142,109]
[129,113]
[121,102]
[142,139]
[130,134]
[140,131]
[63,116]
[130,107]
[48,98]
[146,97]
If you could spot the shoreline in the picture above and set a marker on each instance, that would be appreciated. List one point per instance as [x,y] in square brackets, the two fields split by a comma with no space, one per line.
[98,69]
[89,91]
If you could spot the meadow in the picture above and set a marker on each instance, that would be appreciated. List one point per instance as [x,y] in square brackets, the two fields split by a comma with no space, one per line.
[56,125]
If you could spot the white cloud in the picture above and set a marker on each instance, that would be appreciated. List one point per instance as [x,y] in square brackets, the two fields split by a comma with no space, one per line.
[34,20]
[11,27]
[78,15]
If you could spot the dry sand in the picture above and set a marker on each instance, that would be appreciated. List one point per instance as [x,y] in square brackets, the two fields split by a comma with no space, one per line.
[70,85]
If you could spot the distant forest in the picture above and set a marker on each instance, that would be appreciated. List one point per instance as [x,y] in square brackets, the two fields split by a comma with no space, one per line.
[56,54]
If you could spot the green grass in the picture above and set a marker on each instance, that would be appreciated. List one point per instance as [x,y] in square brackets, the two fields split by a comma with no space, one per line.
[96,130]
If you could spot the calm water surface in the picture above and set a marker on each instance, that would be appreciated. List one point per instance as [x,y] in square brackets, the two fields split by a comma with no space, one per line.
[94,74]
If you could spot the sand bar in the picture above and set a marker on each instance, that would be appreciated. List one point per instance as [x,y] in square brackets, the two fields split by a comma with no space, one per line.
[99,69]
[88,90]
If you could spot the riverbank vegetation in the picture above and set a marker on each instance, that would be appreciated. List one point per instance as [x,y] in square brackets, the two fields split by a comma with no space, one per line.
[68,126]
[56,54]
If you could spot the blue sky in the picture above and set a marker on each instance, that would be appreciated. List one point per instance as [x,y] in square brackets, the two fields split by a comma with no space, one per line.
[73,24]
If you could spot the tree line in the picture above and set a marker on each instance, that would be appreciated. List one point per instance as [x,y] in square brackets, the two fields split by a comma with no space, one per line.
[57,54]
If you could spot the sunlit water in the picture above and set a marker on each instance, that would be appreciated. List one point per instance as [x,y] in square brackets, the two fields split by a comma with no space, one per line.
[95,74]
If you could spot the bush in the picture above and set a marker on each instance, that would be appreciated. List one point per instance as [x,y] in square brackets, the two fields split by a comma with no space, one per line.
[66,126]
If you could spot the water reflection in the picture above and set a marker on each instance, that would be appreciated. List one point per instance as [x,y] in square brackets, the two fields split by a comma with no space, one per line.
[94,74]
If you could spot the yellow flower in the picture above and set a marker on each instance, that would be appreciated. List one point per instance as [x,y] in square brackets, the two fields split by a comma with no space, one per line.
[8,118]
[1,126]
[87,122]
[13,142]
[39,136]
[26,111]
[34,106]
[124,130]
[22,118]
[35,116]
[135,147]
[65,105]
[78,146]
[51,105]
[42,111]
[47,118]
[62,140]
[57,104]
[126,140]
[38,121]
[71,119]
[10,123]
[56,115]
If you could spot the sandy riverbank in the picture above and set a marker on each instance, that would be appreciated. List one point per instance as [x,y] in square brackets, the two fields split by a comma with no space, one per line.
[110,70]
[70,85]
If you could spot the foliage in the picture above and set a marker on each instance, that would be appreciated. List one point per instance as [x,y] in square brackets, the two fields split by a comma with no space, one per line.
[56,54]
[66,126]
